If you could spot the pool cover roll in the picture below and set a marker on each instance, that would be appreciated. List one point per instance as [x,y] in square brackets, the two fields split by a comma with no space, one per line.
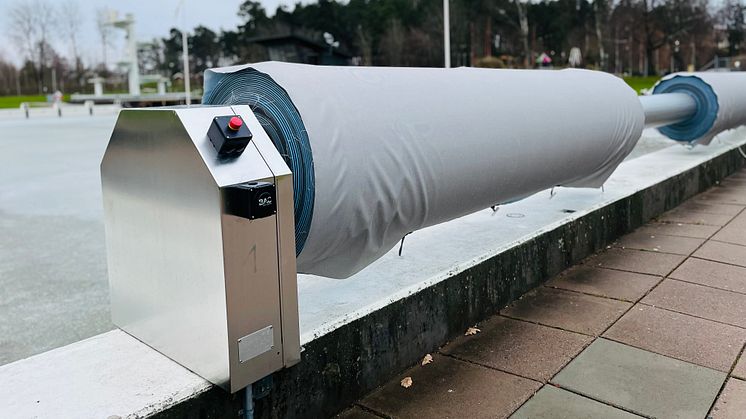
[721,104]
[380,152]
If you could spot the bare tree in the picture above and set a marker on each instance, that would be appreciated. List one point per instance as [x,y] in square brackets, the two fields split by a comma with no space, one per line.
[392,43]
[104,28]
[662,22]
[31,23]
[22,30]
[523,25]
[365,45]
[732,17]
[600,17]
[8,76]
[70,23]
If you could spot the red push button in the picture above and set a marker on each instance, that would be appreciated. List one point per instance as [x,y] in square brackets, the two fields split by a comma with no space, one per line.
[235,123]
[229,135]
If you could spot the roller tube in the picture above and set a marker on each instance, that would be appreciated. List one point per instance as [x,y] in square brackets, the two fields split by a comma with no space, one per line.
[668,108]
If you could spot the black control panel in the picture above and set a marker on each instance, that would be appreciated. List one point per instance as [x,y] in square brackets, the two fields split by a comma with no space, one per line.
[229,135]
[250,200]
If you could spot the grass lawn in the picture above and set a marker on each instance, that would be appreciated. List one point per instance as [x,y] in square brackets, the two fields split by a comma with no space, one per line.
[15,101]
[638,82]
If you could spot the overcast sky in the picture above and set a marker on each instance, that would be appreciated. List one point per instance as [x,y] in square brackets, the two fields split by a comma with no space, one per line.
[153,18]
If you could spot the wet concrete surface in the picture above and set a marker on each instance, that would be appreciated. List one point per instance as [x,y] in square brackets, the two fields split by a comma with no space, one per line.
[53,288]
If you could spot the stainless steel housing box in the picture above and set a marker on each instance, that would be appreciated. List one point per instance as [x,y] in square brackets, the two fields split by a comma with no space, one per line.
[215,292]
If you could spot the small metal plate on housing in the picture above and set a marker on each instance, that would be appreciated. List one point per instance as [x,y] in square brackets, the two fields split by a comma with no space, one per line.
[255,344]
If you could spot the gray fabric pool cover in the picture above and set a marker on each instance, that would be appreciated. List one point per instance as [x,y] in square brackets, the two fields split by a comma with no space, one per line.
[386,151]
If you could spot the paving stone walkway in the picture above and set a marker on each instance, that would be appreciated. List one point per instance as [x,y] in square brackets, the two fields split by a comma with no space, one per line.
[652,327]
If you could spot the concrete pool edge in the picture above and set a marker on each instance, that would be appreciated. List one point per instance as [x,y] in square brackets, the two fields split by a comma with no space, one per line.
[341,365]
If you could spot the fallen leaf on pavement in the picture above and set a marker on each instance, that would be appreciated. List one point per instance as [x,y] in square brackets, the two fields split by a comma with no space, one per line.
[427,359]
[471,331]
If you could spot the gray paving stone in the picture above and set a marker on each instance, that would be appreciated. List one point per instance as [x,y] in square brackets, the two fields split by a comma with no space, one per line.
[551,403]
[699,341]
[356,413]
[738,222]
[652,263]
[722,195]
[732,401]
[712,274]
[714,208]
[611,283]
[641,381]
[518,347]
[641,240]
[723,252]
[734,183]
[680,215]
[449,388]
[740,218]
[740,369]
[679,229]
[573,311]
[697,300]
[734,233]
[740,174]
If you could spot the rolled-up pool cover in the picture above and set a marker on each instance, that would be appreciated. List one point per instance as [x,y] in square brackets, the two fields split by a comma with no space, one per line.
[721,104]
[379,152]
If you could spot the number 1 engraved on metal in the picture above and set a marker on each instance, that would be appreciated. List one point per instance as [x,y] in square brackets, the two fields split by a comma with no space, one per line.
[253,252]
